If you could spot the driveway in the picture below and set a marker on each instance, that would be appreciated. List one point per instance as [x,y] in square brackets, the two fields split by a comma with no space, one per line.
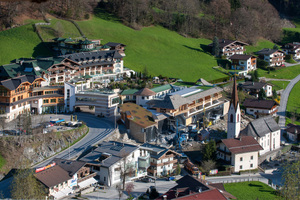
[283,101]
[99,128]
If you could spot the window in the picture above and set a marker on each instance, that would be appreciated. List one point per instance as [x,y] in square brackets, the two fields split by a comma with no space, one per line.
[238,118]
[251,158]
[133,155]
[46,100]
[241,166]
[104,178]
[53,100]
[14,99]
[241,158]
[231,118]
[251,165]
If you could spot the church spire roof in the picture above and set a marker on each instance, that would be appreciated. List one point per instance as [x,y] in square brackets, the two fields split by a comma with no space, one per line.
[234,97]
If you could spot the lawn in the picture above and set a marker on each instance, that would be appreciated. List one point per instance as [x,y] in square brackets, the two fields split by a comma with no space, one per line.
[251,190]
[162,51]
[65,27]
[279,85]
[20,42]
[285,73]
[293,101]
[260,44]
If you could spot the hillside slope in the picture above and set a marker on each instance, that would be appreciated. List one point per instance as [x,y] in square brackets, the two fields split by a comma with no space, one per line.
[20,42]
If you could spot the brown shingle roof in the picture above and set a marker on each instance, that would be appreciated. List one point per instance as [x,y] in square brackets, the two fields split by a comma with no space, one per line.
[294,129]
[53,176]
[258,103]
[242,145]
[241,57]
[139,115]
[145,92]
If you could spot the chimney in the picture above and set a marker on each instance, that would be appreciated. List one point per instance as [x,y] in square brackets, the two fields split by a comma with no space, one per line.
[200,189]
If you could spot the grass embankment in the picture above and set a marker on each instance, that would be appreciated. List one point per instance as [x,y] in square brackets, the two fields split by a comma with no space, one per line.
[65,28]
[285,73]
[162,51]
[293,102]
[251,190]
[279,85]
[20,42]
[2,161]
[260,44]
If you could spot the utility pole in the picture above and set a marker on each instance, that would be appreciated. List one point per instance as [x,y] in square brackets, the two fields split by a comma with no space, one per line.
[69,149]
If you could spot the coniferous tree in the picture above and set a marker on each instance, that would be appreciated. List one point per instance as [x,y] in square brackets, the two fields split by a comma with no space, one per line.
[216,48]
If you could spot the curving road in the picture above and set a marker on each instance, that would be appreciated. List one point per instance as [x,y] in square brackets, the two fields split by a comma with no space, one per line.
[283,101]
[99,128]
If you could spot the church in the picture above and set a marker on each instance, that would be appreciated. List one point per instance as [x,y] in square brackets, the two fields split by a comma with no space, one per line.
[241,151]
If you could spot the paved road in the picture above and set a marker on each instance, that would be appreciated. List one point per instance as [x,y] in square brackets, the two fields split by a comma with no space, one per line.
[283,101]
[290,64]
[99,128]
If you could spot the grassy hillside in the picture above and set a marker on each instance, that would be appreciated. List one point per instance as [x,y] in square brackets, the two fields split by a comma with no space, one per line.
[285,73]
[293,101]
[20,42]
[160,50]
[260,44]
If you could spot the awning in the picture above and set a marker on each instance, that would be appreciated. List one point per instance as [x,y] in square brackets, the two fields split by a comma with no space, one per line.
[62,193]
[87,182]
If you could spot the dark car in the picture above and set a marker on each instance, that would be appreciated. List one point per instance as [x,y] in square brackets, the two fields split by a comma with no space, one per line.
[147,180]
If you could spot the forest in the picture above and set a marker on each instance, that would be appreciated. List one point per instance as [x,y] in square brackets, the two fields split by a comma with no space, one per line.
[245,20]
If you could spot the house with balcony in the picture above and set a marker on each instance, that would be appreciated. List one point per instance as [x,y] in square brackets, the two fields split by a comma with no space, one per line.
[243,63]
[142,124]
[253,88]
[260,107]
[117,46]
[64,46]
[241,153]
[292,49]
[26,94]
[185,104]
[112,158]
[82,176]
[293,132]
[266,132]
[162,160]
[273,57]
[230,47]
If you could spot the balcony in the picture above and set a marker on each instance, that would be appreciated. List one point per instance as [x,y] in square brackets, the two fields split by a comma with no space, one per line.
[165,163]
[87,177]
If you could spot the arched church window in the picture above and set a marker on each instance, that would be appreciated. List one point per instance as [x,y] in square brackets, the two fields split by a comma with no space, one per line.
[231,118]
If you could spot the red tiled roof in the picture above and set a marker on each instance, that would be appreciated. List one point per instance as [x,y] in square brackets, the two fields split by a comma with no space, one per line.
[213,194]
[242,145]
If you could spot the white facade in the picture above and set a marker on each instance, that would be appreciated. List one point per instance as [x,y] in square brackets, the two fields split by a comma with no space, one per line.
[112,175]
[245,65]
[256,111]
[69,96]
[275,59]
[142,100]
[234,121]
[240,161]
[269,142]
[16,110]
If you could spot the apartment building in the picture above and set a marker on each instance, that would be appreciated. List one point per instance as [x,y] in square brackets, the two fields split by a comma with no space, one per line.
[292,49]
[260,108]
[26,94]
[162,160]
[253,88]
[243,63]
[109,159]
[188,102]
[230,47]
[273,57]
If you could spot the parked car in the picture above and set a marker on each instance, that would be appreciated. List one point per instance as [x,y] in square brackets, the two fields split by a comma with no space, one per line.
[170,178]
[147,180]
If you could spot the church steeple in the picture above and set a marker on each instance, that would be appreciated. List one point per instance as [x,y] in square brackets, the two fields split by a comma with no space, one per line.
[234,97]
[234,114]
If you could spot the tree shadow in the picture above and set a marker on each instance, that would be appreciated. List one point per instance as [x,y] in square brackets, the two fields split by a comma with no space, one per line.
[203,48]
[42,50]
[255,185]
[223,62]
[103,14]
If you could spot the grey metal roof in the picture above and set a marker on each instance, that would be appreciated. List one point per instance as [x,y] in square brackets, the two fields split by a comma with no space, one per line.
[172,101]
[114,44]
[266,51]
[156,151]
[253,85]
[114,151]
[260,127]
[14,83]
[71,166]
[86,56]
